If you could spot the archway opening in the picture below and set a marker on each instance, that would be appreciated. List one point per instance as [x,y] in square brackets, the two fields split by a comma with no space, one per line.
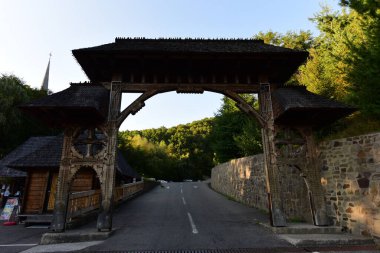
[184,145]
[84,195]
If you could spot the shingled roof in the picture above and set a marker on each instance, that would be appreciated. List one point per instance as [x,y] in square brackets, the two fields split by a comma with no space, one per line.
[46,151]
[294,105]
[189,45]
[125,169]
[176,57]
[47,155]
[82,103]
[25,149]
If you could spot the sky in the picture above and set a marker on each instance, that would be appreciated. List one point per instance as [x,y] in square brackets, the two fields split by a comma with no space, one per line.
[31,30]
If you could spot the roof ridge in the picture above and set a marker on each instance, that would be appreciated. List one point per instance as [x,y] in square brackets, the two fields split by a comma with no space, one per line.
[189,39]
[85,83]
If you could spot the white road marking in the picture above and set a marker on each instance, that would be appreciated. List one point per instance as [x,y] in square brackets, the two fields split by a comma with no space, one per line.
[181,191]
[183,201]
[19,245]
[61,247]
[194,228]
[195,186]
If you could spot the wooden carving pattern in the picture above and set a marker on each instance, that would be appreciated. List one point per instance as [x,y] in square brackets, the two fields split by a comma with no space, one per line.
[95,147]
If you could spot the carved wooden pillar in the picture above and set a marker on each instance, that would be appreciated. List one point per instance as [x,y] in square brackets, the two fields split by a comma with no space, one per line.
[105,213]
[313,177]
[63,184]
[268,134]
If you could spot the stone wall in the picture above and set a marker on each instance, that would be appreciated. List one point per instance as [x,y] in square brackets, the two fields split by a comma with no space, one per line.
[242,179]
[350,177]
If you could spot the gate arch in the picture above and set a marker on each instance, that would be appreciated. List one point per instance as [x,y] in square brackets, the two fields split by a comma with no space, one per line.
[154,66]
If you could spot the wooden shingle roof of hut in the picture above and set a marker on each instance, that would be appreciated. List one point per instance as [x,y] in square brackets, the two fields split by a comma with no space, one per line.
[47,155]
[25,149]
[294,105]
[46,151]
[82,103]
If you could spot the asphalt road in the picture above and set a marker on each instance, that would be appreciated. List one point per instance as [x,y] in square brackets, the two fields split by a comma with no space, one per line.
[187,215]
[18,238]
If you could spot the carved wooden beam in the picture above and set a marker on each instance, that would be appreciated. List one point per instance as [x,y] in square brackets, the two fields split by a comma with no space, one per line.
[244,106]
[163,87]
[135,106]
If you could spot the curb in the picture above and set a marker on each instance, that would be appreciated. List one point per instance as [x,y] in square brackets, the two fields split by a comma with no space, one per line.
[69,237]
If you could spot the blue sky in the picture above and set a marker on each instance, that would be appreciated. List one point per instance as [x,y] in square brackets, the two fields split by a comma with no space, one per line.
[30,30]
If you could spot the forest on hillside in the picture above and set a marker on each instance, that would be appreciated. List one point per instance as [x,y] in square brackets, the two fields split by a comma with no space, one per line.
[343,64]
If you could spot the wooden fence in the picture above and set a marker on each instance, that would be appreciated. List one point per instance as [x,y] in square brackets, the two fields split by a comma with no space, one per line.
[83,202]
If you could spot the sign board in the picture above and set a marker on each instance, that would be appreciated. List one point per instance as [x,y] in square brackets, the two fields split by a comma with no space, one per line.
[9,208]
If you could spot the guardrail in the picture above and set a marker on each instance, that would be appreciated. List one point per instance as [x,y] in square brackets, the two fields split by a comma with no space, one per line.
[81,203]
[127,191]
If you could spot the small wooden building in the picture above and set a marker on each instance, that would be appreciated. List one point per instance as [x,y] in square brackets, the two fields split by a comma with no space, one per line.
[11,178]
[39,158]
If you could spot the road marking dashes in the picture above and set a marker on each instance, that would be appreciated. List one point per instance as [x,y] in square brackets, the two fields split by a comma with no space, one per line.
[193,227]
[18,245]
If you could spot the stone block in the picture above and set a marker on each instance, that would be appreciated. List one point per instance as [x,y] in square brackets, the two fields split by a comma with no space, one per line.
[363,182]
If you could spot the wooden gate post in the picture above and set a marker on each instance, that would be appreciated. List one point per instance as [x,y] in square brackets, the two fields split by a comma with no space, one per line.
[106,207]
[270,161]
[313,176]
[105,213]
[62,193]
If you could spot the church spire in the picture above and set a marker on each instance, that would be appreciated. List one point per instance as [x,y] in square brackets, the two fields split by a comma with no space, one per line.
[45,82]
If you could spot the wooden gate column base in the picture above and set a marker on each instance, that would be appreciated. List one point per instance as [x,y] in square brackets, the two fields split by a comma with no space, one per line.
[104,223]
[277,217]
[59,220]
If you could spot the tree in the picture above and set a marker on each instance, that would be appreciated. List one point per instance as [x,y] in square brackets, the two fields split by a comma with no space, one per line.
[300,41]
[234,133]
[303,40]
[176,153]
[326,71]
[365,57]
[16,127]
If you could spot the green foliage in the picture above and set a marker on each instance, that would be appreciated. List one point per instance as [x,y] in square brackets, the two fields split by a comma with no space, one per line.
[175,154]
[191,150]
[235,134]
[326,71]
[344,60]
[365,7]
[303,40]
[365,57]
[345,63]
[16,127]
[300,41]
[354,125]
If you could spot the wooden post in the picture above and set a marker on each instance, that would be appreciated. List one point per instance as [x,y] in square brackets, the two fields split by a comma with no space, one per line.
[270,162]
[105,213]
[62,194]
[313,177]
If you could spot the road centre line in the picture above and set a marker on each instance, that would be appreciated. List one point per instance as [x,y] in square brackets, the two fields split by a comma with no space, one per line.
[19,245]
[183,201]
[194,228]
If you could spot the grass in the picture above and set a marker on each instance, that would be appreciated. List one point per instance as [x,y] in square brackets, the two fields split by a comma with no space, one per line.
[354,125]
[297,220]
